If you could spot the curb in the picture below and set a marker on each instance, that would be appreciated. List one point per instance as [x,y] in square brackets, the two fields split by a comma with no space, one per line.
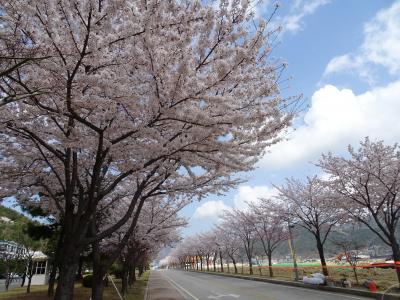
[361,293]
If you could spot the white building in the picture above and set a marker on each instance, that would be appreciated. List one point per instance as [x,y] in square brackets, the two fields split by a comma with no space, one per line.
[11,250]
[40,268]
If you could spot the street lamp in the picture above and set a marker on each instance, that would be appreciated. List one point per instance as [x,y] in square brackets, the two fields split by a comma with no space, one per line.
[293,251]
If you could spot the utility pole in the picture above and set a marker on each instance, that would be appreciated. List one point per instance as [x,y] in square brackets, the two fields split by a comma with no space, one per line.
[293,251]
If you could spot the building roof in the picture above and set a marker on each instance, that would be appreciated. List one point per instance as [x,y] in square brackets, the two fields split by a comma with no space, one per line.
[38,255]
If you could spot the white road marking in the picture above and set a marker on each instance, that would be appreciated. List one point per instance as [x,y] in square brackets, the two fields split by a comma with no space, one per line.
[179,287]
[222,296]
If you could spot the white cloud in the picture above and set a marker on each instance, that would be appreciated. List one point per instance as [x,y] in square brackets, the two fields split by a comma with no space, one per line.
[342,63]
[336,118]
[382,38]
[245,194]
[381,46]
[299,10]
[210,209]
[248,194]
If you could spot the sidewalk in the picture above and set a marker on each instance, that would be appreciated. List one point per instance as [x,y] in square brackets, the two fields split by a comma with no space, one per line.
[159,288]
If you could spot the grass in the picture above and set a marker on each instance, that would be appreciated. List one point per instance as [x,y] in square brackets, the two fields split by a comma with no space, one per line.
[39,292]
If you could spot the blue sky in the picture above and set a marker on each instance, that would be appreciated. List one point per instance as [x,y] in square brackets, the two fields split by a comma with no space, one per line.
[344,57]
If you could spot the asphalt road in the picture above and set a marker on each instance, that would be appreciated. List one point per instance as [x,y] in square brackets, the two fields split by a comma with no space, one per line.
[15,283]
[197,286]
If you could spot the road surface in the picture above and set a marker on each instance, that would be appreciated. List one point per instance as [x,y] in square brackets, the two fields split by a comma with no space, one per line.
[200,286]
[14,284]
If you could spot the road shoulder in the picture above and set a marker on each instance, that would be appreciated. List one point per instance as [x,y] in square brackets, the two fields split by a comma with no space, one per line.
[159,288]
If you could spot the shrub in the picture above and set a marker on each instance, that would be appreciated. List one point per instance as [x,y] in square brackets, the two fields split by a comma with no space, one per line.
[116,270]
[87,281]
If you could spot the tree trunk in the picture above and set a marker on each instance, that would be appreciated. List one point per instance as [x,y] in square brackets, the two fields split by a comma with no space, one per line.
[271,272]
[124,285]
[234,265]
[80,267]
[99,273]
[132,273]
[250,266]
[23,279]
[7,282]
[52,278]
[396,256]
[320,248]
[201,263]
[30,275]
[214,262]
[208,263]
[356,275]
[55,265]
[97,286]
[141,269]
[222,263]
[28,288]
[66,279]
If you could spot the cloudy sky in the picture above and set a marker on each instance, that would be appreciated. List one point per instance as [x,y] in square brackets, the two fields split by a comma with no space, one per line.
[344,57]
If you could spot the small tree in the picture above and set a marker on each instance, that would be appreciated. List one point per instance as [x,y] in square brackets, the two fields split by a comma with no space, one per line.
[267,221]
[230,244]
[311,207]
[30,270]
[350,248]
[238,223]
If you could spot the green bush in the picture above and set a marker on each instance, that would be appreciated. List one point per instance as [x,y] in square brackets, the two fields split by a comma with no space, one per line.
[87,281]
[116,270]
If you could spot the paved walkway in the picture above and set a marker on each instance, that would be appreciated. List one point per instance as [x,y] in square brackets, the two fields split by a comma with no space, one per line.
[160,288]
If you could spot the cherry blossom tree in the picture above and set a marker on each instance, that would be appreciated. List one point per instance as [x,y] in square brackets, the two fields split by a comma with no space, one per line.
[156,227]
[311,206]
[204,245]
[237,222]
[210,240]
[266,217]
[17,49]
[147,98]
[199,243]
[366,184]
[185,252]
[230,244]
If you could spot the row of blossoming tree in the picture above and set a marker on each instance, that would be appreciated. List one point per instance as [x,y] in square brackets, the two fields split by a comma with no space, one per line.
[116,114]
[362,186]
